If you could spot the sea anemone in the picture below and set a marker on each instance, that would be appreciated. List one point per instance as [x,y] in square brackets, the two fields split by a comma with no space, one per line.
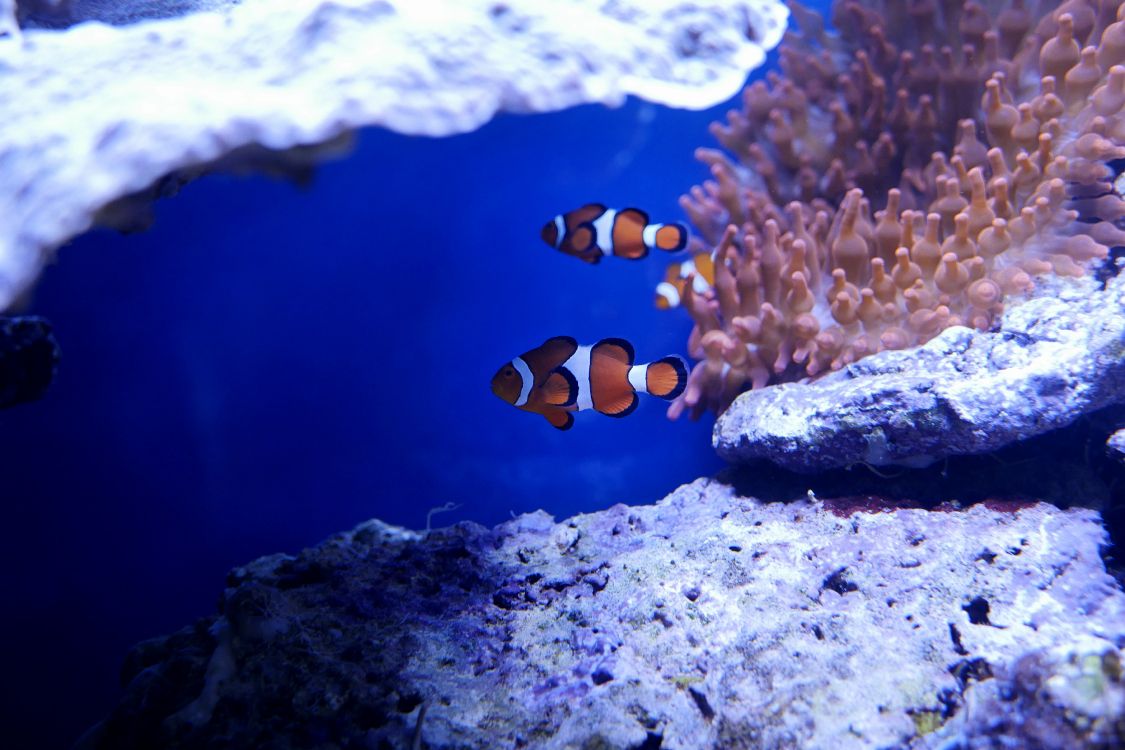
[979,133]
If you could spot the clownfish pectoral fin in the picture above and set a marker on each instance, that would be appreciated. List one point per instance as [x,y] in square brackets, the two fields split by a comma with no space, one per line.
[582,242]
[666,378]
[560,388]
[559,419]
[628,233]
[669,237]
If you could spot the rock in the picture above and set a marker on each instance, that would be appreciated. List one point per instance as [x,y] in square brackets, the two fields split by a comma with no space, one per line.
[28,357]
[95,114]
[707,620]
[1116,445]
[1055,358]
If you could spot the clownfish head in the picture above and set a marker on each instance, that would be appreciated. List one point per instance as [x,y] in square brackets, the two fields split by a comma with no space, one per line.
[508,383]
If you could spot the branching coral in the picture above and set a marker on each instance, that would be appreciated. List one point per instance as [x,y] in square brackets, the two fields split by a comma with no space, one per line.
[977,132]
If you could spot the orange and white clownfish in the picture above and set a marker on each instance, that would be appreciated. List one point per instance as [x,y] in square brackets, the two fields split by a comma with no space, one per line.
[560,377]
[671,290]
[594,230]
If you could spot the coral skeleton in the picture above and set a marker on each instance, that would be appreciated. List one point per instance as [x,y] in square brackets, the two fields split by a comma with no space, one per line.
[915,169]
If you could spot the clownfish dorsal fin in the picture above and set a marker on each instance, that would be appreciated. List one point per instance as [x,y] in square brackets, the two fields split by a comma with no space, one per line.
[543,359]
[559,419]
[560,388]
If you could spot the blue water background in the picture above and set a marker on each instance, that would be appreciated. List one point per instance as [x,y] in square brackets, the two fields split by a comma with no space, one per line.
[269,365]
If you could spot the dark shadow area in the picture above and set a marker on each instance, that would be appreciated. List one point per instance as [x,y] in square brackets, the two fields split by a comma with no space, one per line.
[62,14]
[1068,467]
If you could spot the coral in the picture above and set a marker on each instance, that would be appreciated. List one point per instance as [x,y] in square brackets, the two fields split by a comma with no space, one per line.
[978,134]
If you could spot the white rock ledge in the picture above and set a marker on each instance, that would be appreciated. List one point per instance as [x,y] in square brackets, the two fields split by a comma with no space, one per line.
[95,113]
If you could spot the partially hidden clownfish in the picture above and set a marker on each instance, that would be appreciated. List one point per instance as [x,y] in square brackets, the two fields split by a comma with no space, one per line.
[670,291]
[560,377]
[593,231]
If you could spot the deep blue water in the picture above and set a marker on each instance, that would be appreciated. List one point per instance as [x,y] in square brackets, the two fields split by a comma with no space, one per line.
[270,364]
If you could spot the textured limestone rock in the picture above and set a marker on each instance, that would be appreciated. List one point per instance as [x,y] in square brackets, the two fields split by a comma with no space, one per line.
[95,113]
[1116,445]
[1055,357]
[708,620]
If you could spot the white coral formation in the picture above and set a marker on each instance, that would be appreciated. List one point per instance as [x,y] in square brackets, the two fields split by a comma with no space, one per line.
[96,113]
[979,131]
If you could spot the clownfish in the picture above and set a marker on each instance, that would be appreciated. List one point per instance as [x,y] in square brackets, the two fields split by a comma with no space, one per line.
[560,377]
[592,231]
[671,290]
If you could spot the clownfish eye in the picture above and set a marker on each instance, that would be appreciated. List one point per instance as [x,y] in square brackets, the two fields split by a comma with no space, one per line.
[509,372]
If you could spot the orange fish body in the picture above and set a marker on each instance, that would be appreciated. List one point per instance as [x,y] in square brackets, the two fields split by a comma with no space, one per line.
[594,231]
[560,377]
[700,268]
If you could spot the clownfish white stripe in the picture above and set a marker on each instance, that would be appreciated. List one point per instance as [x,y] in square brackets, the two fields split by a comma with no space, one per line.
[603,229]
[687,268]
[648,236]
[669,293]
[699,284]
[579,366]
[638,378]
[527,378]
[560,230]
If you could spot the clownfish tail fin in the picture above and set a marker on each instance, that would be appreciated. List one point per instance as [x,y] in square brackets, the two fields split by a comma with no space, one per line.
[666,378]
[671,237]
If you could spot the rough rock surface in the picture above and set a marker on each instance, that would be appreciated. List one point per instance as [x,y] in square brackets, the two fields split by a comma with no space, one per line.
[96,113]
[708,620]
[1116,445]
[1054,358]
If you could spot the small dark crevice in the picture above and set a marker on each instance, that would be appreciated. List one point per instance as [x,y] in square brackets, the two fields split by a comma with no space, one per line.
[969,670]
[653,741]
[955,636]
[977,610]
[987,555]
[839,583]
[703,704]
[601,676]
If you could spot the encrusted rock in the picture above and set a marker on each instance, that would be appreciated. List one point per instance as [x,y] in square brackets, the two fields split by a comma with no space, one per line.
[96,113]
[1054,358]
[1116,445]
[708,620]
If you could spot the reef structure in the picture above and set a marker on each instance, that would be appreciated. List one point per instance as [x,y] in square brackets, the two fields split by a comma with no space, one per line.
[708,620]
[915,170]
[100,120]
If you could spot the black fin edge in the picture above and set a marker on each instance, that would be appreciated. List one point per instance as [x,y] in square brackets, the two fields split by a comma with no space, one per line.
[613,340]
[564,427]
[627,410]
[641,211]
